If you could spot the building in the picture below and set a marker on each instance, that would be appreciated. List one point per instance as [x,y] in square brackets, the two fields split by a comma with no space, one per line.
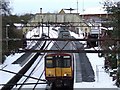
[72,20]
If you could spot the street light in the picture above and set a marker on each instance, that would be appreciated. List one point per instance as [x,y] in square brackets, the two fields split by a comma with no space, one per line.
[7,36]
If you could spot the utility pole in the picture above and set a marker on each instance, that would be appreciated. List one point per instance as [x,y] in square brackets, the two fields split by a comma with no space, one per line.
[77,6]
[0,38]
[7,37]
[42,26]
[39,20]
[48,29]
[83,10]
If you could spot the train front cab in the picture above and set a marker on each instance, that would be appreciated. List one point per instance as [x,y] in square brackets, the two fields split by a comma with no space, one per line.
[59,69]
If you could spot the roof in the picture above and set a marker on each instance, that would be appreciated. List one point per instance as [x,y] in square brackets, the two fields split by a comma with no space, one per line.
[62,11]
[94,10]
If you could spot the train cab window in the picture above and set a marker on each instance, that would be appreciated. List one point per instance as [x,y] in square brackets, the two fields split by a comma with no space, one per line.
[63,61]
[58,62]
[66,63]
[49,63]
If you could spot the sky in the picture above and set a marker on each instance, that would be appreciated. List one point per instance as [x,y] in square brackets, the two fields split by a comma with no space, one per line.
[52,6]
[33,6]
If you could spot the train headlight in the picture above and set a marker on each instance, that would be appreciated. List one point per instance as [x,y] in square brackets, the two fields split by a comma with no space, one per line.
[65,74]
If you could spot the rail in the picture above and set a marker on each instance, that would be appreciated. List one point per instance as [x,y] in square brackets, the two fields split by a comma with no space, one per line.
[39,79]
[13,81]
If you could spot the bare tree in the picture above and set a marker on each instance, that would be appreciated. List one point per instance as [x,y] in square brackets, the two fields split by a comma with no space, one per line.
[5,9]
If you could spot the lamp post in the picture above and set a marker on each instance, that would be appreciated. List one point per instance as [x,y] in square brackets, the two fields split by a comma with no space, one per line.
[7,36]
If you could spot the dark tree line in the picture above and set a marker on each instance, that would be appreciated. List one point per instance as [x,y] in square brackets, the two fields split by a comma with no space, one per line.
[5,11]
[9,29]
[113,59]
[5,7]
[114,9]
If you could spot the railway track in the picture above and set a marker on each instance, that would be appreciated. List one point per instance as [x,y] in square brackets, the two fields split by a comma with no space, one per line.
[29,58]
[10,84]
[24,81]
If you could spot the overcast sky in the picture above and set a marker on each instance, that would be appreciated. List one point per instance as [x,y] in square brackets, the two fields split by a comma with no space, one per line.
[33,6]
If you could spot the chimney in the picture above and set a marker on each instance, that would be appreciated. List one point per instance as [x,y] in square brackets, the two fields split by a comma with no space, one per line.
[40,10]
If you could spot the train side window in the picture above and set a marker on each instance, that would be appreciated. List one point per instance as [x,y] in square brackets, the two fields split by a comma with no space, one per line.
[67,61]
[49,63]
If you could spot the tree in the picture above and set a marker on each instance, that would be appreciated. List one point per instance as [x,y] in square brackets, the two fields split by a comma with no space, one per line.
[9,20]
[5,11]
[5,7]
[114,9]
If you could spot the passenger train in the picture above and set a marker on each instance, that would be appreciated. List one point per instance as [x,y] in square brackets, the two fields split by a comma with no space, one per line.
[59,67]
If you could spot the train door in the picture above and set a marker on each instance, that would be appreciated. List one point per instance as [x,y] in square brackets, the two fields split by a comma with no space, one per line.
[58,70]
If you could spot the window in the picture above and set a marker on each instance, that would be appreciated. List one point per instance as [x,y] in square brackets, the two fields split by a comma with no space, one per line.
[58,62]
[49,63]
[63,61]
[66,63]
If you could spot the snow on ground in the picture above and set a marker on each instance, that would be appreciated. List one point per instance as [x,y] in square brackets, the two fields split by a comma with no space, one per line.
[11,58]
[80,36]
[36,73]
[102,79]
[5,76]
[38,31]
[7,65]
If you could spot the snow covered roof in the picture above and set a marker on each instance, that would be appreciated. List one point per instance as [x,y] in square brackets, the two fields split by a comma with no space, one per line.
[63,11]
[18,24]
[94,10]
[104,28]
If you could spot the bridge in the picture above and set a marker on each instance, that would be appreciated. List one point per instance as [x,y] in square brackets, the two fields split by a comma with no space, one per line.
[56,20]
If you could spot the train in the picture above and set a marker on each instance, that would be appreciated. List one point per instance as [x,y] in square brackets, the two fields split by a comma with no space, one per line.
[63,33]
[59,69]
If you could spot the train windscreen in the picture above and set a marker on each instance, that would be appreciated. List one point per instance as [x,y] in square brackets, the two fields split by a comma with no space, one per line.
[49,62]
[66,63]
[63,61]
[58,61]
